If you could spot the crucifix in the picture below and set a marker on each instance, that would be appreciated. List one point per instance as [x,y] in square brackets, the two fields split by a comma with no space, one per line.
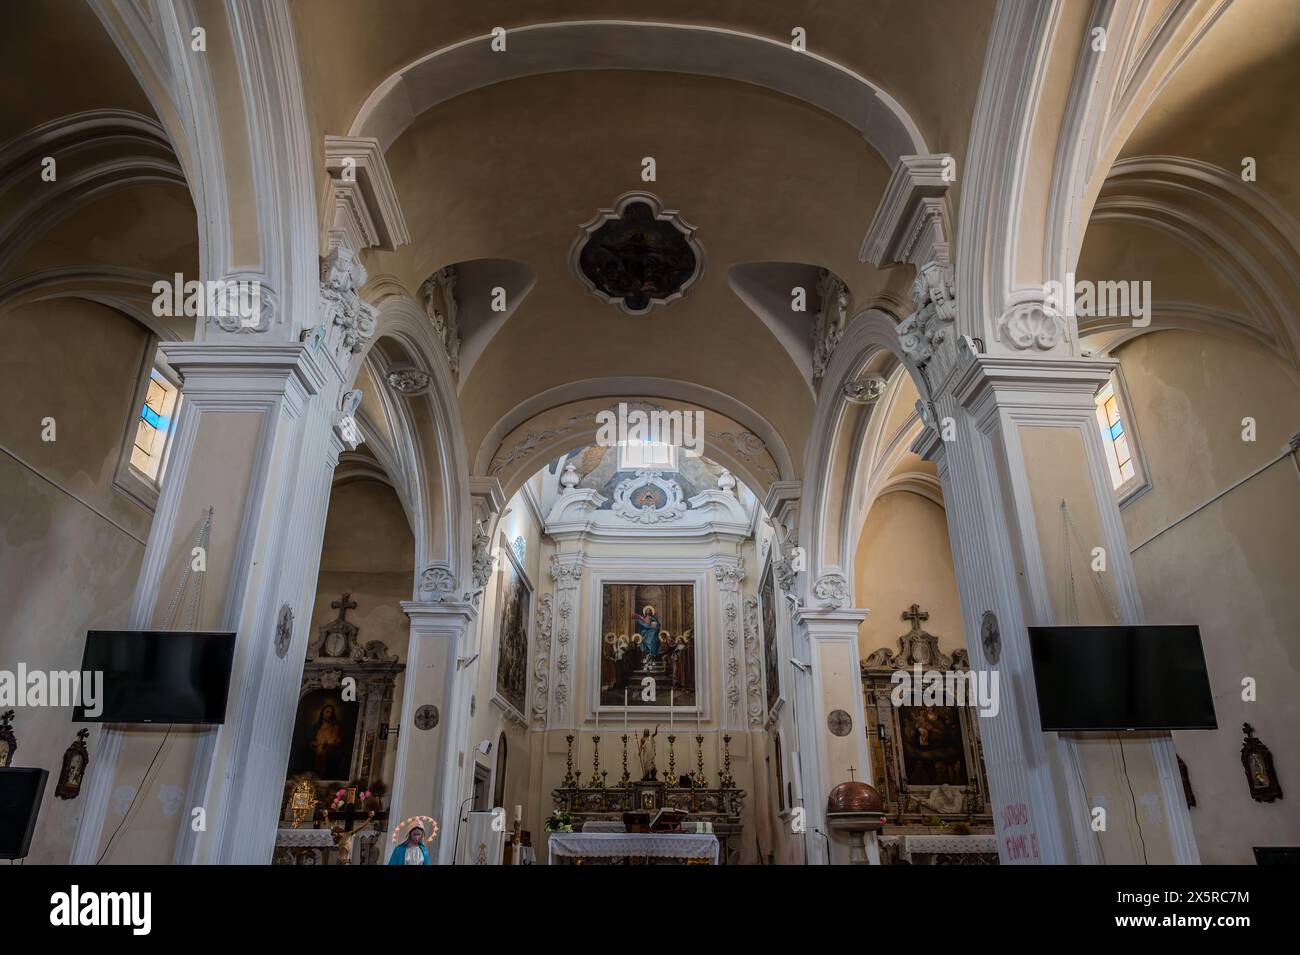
[343,605]
[851,771]
[916,615]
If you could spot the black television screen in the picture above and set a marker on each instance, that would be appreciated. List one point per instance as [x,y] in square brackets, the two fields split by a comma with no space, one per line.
[156,676]
[1121,678]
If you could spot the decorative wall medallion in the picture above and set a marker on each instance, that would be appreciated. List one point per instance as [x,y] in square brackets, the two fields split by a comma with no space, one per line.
[1261,777]
[1033,325]
[75,761]
[283,631]
[865,389]
[637,255]
[649,498]
[426,717]
[437,582]
[408,380]
[990,637]
[839,722]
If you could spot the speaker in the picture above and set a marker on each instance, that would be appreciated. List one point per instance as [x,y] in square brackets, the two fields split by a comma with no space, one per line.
[21,791]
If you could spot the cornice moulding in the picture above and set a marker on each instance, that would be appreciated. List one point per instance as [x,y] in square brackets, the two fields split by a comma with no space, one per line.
[366,208]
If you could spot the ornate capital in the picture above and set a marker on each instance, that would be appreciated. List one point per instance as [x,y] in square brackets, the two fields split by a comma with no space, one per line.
[730,574]
[438,293]
[831,320]
[927,334]
[348,320]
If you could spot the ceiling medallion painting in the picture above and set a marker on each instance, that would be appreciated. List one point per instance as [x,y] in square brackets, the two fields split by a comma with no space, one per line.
[637,255]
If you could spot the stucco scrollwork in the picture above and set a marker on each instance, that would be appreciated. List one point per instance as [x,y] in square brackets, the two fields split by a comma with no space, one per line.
[753,664]
[832,589]
[635,499]
[437,583]
[542,660]
[1032,325]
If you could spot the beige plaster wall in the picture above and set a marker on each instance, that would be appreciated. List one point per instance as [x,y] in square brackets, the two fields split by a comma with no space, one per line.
[904,557]
[70,546]
[489,721]
[1230,568]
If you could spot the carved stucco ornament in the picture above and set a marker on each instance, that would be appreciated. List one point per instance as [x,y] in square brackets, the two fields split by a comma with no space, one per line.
[408,380]
[831,321]
[437,583]
[865,389]
[1033,326]
[832,589]
[348,319]
[649,498]
[929,328]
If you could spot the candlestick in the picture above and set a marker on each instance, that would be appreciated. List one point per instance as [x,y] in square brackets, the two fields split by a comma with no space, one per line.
[699,779]
[625,710]
[725,781]
[671,777]
[570,781]
[670,709]
[626,781]
[597,780]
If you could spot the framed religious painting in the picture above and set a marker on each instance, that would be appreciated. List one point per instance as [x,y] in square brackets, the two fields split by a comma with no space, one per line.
[767,611]
[648,632]
[510,654]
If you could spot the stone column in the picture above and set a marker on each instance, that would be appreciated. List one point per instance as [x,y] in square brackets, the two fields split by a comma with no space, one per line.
[1013,437]
[435,713]
[833,686]
[257,438]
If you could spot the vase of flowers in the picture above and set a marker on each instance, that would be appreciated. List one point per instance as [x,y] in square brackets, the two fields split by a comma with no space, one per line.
[559,821]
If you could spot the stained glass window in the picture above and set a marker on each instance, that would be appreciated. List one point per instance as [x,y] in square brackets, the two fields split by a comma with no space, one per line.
[154,426]
[1115,437]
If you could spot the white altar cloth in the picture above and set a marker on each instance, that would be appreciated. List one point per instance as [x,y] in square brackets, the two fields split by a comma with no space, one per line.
[928,845]
[657,845]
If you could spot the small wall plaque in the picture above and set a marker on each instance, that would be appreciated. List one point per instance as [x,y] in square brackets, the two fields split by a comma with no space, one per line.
[839,722]
[991,637]
[426,717]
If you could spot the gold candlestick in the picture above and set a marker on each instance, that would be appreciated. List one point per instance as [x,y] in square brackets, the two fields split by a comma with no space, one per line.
[699,779]
[670,778]
[725,781]
[570,780]
[626,781]
[597,777]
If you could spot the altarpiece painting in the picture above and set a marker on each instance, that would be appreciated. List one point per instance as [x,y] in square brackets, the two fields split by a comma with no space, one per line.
[514,597]
[648,631]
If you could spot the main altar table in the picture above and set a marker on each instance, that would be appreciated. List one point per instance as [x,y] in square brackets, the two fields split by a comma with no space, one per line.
[922,849]
[686,846]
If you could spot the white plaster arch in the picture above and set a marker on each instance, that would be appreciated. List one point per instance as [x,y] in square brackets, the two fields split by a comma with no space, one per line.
[615,387]
[839,432]
[129,291]
[428,440]
[1021,224]
[640,45]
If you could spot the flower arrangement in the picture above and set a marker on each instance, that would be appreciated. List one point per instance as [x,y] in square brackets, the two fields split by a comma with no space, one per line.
[559,821]
[341,799]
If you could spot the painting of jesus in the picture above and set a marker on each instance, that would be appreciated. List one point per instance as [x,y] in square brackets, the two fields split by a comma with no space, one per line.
[648,631]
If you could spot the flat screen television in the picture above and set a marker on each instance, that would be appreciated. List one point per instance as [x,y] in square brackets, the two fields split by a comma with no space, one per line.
[1121,678]
[158,676]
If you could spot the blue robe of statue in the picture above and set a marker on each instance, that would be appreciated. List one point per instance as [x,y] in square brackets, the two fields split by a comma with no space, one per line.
[649,630]
[398,855]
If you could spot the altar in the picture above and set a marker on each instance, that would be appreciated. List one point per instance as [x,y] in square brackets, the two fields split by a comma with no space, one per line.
[647,848]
